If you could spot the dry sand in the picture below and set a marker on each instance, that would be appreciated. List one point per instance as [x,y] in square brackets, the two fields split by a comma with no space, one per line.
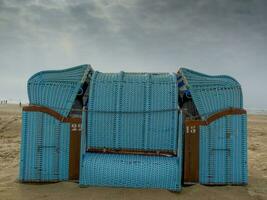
[10,122]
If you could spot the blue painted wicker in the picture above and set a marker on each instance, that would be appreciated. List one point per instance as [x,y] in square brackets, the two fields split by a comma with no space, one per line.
[44,148]
[132,111]
[45,140]
[57,89]
[210,94]
[223,151]
[137,171]
[136,111]
[223,143]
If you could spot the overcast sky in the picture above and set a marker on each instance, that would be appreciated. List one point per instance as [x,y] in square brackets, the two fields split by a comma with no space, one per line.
[214,37]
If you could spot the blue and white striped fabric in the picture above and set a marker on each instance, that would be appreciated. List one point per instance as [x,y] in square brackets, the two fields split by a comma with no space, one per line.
[44,148]
[57,89]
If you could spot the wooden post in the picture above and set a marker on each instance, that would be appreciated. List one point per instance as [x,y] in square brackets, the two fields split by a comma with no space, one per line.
[191,154]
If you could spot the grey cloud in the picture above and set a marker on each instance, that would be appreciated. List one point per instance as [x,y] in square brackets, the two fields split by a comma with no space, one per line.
[217,37]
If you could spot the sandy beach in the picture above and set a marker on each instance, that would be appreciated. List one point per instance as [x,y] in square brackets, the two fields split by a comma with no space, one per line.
[10,188]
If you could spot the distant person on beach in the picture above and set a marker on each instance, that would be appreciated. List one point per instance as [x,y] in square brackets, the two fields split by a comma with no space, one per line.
[19,104]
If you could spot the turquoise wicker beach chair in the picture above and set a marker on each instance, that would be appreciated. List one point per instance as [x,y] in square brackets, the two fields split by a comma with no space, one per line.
[133,129]
[48,125]
[217,129]
[133,133]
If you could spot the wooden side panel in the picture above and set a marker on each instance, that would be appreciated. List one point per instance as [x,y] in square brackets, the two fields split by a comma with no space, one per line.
[75,141]
[191,157]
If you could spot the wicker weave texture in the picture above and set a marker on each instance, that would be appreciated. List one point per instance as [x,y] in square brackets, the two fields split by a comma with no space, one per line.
[223,151]
[136,171]
[212,94]
[57,89]
[44,148]
[133,111]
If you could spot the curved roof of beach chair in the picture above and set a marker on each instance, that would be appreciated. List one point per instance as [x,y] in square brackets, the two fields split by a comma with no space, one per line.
[57,89]
[212,94]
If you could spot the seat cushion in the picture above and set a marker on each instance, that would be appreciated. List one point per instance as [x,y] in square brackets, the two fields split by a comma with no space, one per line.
[137,171]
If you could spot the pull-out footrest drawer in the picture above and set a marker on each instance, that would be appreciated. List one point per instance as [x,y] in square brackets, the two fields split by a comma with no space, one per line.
[136,171]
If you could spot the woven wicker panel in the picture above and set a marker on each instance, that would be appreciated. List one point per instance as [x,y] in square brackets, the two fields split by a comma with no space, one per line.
[44,148]
[124,170]
[211,94]
[117,170]
[133,111]
[223,151]
[57,89]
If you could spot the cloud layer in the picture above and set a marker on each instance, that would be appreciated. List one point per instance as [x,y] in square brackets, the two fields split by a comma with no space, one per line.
[215,37]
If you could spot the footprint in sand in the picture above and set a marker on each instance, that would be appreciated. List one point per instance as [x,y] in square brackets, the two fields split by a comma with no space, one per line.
[7,124]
